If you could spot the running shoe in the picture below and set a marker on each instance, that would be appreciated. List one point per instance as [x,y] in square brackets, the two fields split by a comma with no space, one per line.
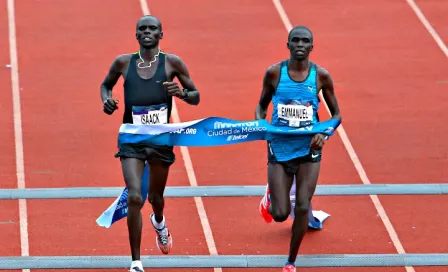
[164,241]
[289,268]
[265,203]
[136,269]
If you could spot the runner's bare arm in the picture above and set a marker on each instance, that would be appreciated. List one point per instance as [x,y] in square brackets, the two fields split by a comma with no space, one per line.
[111,78]
[268,90]
[191,96]
[328,93]
[110,104]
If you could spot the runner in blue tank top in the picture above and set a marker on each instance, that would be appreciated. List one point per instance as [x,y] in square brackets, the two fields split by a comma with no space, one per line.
[148,95]
[293,86]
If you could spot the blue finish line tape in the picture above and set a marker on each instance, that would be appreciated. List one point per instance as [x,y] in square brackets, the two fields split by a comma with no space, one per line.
[215,131]
[211,131]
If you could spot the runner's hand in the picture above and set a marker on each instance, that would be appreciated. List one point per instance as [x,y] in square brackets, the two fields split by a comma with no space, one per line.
[110,105]
[173,89]
[318,141]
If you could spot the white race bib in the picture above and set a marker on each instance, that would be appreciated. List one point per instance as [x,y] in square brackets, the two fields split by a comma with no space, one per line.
[295,115]
[150,115]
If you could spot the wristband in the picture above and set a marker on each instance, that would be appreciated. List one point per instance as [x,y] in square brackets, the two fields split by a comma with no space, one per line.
[185,91]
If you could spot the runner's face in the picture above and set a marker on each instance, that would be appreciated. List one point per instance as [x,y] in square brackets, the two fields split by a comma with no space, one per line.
[300,44]
[148,32]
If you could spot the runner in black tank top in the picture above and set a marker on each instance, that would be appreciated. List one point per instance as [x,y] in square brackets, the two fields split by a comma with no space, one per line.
[139,91]
[148,95]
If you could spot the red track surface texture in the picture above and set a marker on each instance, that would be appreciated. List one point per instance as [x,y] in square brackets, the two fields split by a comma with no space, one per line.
[391,79]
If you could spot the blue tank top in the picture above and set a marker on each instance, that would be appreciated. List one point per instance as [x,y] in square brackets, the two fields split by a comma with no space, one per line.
[295,105]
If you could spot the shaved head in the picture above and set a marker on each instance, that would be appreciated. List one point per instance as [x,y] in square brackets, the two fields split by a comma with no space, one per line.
[152,18]
[300,28]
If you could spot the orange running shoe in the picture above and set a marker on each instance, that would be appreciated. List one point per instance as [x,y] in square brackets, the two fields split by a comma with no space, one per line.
[265,203]
[289,268]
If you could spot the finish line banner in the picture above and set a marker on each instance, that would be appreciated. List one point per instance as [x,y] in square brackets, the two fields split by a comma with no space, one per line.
[119,208]
[215,131]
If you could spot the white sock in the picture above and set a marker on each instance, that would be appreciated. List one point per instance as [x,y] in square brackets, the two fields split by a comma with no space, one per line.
[137,263]
[157,225]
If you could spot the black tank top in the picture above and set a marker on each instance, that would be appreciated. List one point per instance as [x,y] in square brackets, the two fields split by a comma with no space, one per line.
[145,92]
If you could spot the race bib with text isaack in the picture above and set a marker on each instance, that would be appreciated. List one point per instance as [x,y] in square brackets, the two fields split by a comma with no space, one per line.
[150,115]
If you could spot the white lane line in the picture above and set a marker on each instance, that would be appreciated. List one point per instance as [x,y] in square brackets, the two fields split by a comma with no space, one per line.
[20,168]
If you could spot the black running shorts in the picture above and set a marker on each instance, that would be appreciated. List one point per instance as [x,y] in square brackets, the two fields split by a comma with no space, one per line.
[149,153]
[292,166]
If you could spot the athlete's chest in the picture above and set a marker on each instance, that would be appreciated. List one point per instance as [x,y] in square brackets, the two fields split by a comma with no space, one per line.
[145,95]
[298,76]
[305,82]
[148,71]
[295,100]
